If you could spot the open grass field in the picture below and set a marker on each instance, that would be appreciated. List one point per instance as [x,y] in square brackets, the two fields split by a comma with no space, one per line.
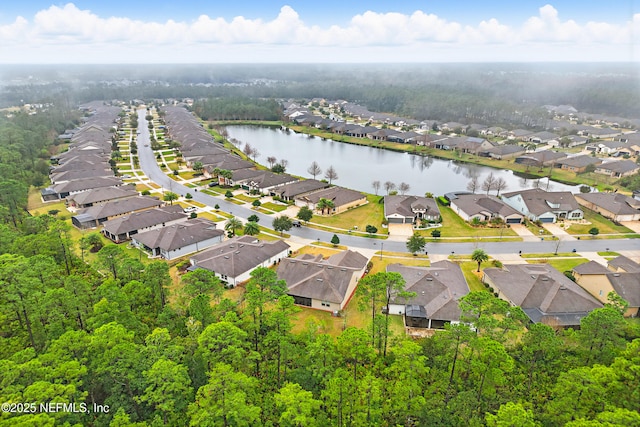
[371,213]
[562,264]
[604,225]
[454,226]
[246,198]
[274,207]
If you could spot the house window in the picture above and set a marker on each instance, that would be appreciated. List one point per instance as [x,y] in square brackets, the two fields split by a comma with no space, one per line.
[326,304]
[600,292]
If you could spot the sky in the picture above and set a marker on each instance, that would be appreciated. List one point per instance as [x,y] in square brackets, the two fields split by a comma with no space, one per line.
[328,31]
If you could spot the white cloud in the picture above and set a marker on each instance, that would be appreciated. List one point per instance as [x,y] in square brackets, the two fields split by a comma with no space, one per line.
[80,35]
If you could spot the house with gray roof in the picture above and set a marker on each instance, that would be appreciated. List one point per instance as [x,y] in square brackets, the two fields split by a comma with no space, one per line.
[400,209]
[324,284]
[100,195]
[544,294]
[623,264]
[179,239]
[342,198]
[615,206]
[618,169]
[124,227]
[234,260]
[405,137]
[540,158]
[437,289]
[485,208]
[71,175]
[622,277]
[65,189]
[97,214]
[504,152]
[578,163]
[544,206]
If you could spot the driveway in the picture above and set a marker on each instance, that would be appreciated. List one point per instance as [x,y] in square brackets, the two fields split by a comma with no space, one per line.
[400,230]
[632,225]
[558,231]
[524,232]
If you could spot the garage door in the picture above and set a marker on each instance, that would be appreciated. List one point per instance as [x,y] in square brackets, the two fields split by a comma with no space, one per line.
[396,220]
[513,221]
[546,220]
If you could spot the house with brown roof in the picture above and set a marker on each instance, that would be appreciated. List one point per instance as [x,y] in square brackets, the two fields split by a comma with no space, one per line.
[400,209]
[437,291]
[234,260]
[599,281]
[544,294]
[299,188]
[123,228]
[324,284]
[179,239]
[342,198]
[615,206]
[544,206]
[485,208]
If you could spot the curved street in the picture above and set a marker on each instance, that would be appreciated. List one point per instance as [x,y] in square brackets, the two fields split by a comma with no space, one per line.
[303,234]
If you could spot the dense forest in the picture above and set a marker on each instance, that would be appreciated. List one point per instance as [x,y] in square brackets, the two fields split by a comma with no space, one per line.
[489,93]
[237,109]
[112,340]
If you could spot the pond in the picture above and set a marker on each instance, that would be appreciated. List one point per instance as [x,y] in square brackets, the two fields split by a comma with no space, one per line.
[358,166]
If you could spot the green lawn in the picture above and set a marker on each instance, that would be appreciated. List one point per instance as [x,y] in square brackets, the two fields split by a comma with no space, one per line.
[371,213]
[562,264]
[454,226]
[604,225]
[246,198]
[274,206]
[473,278]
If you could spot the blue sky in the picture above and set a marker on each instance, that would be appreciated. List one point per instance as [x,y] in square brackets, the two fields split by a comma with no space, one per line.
[39,31]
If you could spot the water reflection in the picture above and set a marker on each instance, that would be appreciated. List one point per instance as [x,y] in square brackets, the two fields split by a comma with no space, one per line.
[357,166]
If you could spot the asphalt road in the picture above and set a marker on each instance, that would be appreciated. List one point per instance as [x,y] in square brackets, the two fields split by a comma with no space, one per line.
[150,167]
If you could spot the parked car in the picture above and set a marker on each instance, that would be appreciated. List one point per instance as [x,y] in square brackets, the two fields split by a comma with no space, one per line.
[190,209]
[296,223]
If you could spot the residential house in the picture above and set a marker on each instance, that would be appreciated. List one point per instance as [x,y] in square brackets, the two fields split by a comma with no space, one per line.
[544,206]
[519,134]
[123,228]
[234,260]
[65,189]
[71,175]
[260,180]
[179,239]
[437,289]
[97,214]
[540,158]
[324,284]
[342,198]
[599,281]
[289,192]
[615,206]
[485,208]
[382,134]
[618,169]
[407,137]
[503,152]
[544,294]
[623,264]
[578,163]
[410,209]
[543,137]
[100,195]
